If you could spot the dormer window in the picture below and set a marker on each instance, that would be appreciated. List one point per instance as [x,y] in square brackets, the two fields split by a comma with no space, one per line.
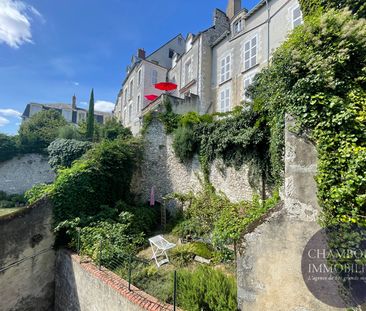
[238,26]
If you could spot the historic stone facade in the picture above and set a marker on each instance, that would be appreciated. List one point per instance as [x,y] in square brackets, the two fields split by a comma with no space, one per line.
[162,170]
[22,173]
[216,66]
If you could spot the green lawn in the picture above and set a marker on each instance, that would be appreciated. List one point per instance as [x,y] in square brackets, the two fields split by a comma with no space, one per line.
[7,211]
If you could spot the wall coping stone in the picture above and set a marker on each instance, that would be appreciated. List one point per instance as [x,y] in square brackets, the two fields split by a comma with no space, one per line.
[136,296]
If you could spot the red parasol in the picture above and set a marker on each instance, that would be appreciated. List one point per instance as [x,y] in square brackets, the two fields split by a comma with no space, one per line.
[166,86]
[151,97]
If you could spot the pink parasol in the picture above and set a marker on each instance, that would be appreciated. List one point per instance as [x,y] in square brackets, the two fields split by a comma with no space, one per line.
[152,196]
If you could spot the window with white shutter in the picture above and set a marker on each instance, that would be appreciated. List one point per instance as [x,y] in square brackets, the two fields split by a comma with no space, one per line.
[250,53]
[154,77]
[225,100]
[247,82]
[225,72]
[296,17]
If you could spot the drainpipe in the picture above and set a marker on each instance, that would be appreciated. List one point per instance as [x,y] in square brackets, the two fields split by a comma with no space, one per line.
[268,34]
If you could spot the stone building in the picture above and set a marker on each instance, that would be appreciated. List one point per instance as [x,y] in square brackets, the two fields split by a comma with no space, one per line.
[70,112]
[141,75]
[214,67]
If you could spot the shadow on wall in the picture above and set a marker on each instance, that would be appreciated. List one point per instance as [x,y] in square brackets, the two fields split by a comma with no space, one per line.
[66,291]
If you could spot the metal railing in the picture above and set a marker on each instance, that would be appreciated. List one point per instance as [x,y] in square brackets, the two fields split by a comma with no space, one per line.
[121,263]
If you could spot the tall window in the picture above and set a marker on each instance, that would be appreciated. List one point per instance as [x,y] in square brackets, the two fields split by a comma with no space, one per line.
[154,77]
[129,112]
[139,78]
[250,53]
[171,53]
[225,71]
[125,115]
[296,17]
[247,82]
[188,72]
[138,104]
[126,95]
[131,89]
[225,100]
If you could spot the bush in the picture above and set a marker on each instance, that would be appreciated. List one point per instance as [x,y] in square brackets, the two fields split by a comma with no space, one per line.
[62,152]
[69,132]
[112,129]
[36,192]
[206,289]
[8,147]
[11,200]
[184,144]
[36,133]
[102,178]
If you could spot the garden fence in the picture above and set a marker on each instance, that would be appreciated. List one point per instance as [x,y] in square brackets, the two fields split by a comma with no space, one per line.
[122,263]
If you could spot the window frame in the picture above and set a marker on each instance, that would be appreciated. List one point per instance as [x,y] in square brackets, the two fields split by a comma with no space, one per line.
[225,69]
[225,99]
[293,19]
[138,104]
[188,77]
[246,78]
[250,51]
[154,77]
[131,89]
[139,77]
[236,24]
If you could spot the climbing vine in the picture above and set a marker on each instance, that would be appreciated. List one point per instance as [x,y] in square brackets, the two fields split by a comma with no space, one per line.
[319,76]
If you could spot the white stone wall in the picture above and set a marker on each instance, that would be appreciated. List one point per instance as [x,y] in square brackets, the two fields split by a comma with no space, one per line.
[22,173]
[162,170]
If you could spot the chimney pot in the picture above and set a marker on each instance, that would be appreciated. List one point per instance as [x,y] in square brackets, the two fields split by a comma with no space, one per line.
[73,105]
[233,8]
[141,53]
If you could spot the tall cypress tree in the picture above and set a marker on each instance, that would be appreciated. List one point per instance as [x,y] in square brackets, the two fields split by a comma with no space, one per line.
[90,122]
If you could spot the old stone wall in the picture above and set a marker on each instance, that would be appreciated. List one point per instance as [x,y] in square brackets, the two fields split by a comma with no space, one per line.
[22,173]
[162,170]
[27,259]
[82,286]
[269,268]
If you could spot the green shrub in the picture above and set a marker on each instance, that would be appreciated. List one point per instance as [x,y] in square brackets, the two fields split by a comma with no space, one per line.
[101,178]
[146,218]
[69,132]
[112,129]
[206,289]
[36,192]
[184,143]
[117,238]
[62,152]
[36,133]
[8,147]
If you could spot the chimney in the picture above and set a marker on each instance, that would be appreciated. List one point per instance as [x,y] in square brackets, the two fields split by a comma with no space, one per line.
[141,53]
[233,8]
[73,105]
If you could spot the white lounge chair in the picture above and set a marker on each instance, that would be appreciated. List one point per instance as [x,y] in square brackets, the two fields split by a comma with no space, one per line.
[160,246]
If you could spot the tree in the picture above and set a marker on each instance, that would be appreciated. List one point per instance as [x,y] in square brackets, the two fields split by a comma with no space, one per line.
[36,133]
[357,7]
[8,147]
[112,129]
[90,122]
